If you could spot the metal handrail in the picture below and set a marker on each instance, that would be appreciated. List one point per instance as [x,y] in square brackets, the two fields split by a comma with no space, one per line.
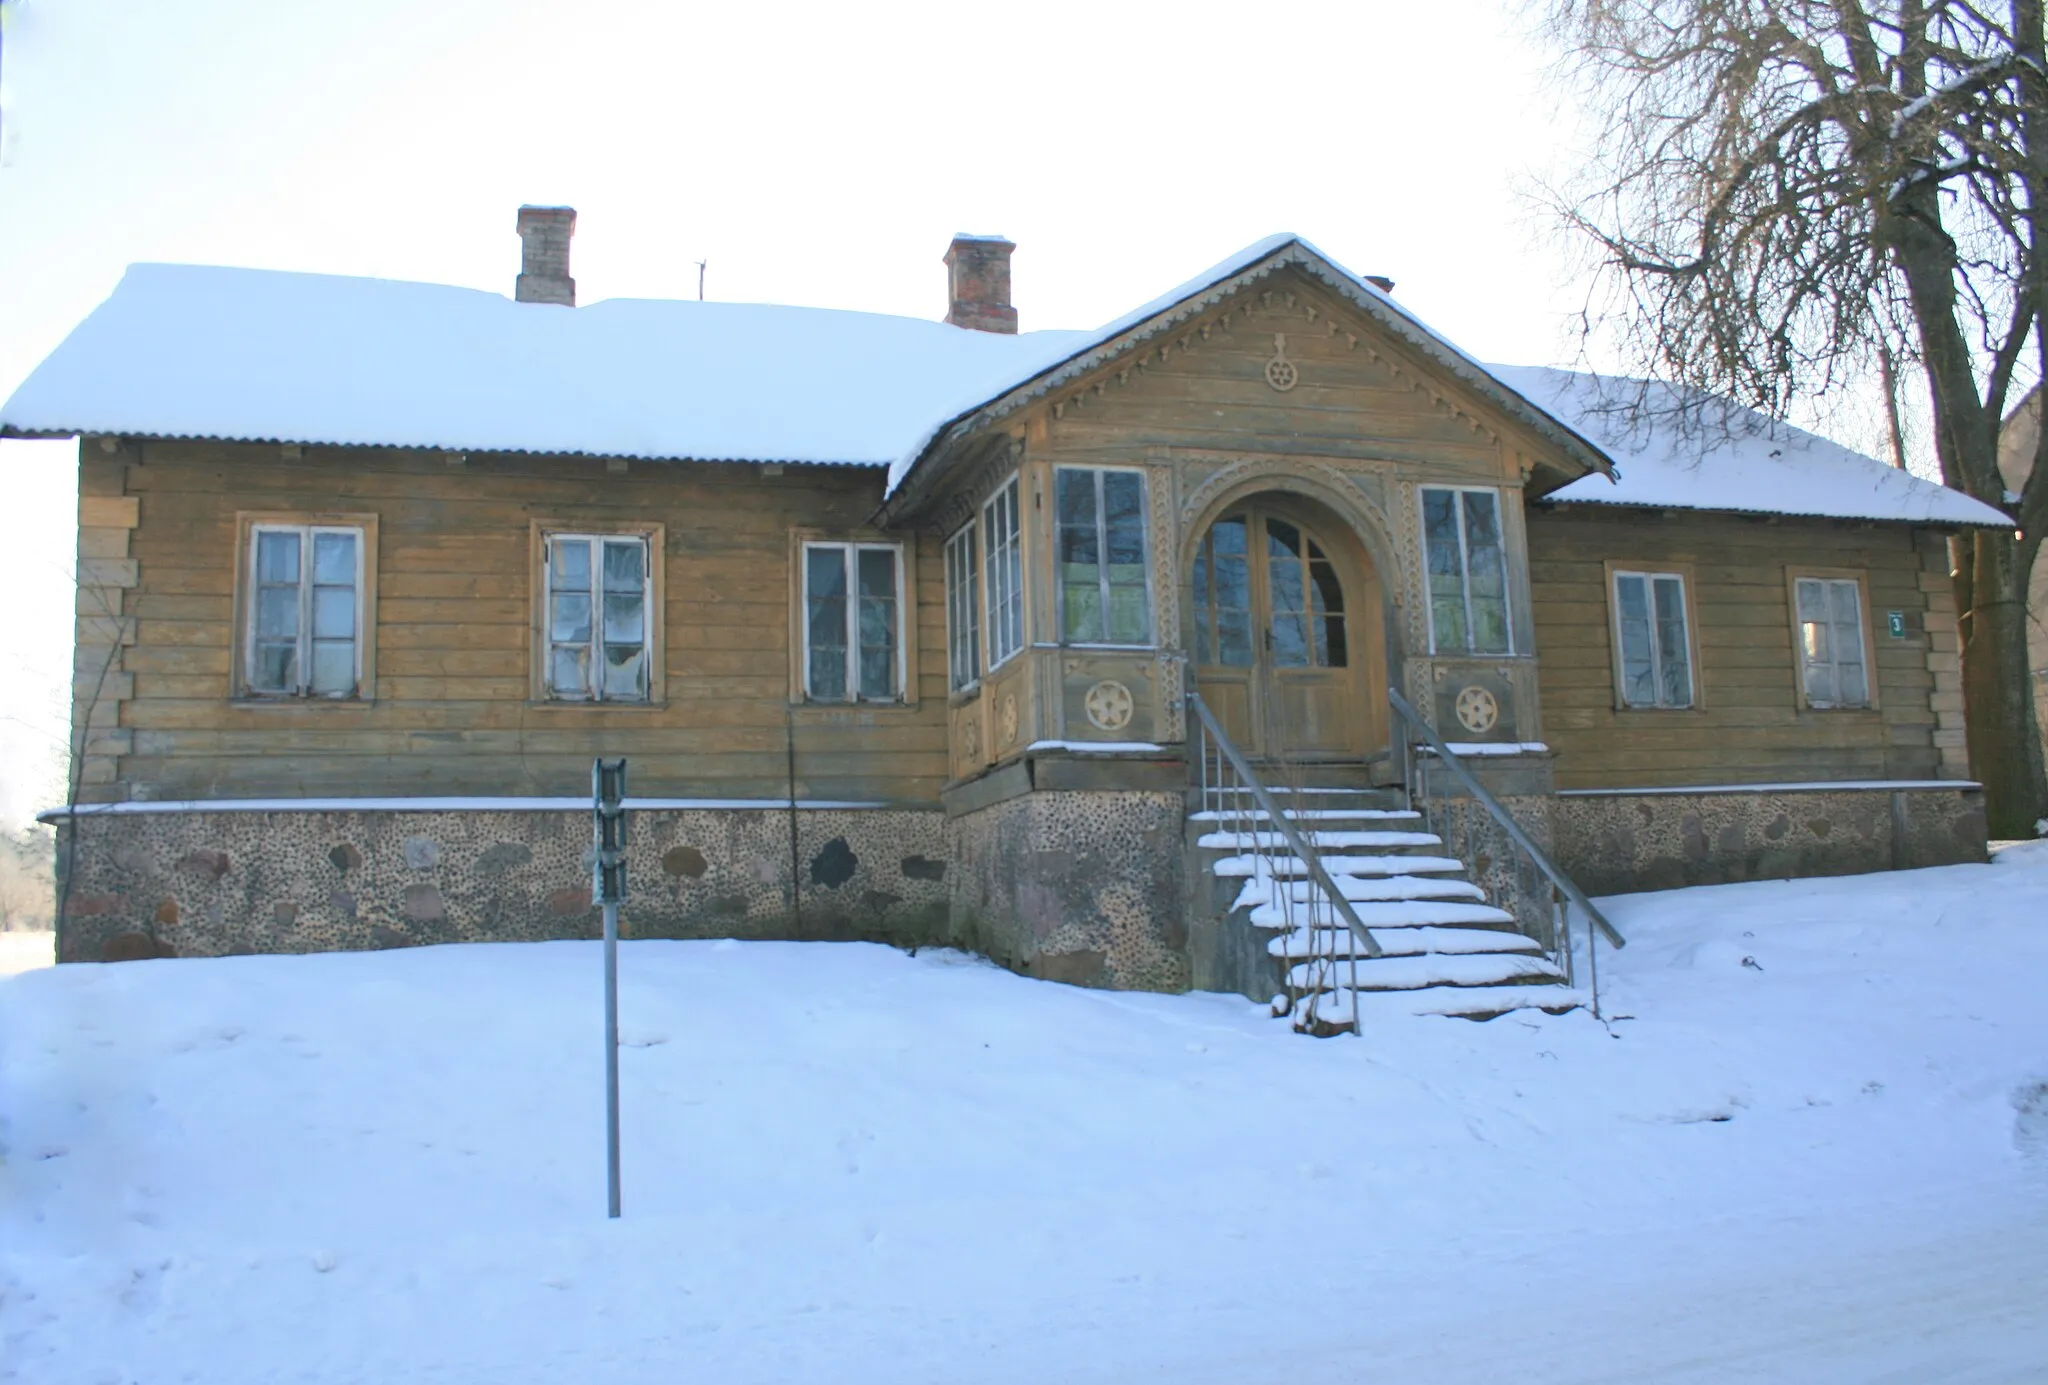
[1296,843]
[1503,818]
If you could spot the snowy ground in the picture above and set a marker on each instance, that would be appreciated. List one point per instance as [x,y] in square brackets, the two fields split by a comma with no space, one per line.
[1817,1153]
[23,951]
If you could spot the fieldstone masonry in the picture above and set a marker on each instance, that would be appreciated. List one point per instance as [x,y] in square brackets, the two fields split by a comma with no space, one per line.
[162,884]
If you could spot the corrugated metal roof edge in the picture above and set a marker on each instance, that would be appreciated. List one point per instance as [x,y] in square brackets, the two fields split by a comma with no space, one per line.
[10,431]
[1922,522]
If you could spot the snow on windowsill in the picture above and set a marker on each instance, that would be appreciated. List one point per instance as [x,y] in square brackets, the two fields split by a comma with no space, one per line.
[1817,786]
[1495,748]
[429,805]
[1098,747]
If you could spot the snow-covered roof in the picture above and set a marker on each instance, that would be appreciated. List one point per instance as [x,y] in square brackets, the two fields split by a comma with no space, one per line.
[1674,451]
[188,351]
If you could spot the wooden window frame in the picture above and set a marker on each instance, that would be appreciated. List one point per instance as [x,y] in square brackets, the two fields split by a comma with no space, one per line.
[963,604]
[801,541]
[242,643]
[1861,577]
[1514,649]
[1689,592]
[1012,486]
[1059,586]
[539,531]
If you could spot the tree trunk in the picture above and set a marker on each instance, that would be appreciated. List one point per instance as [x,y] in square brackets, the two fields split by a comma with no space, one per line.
[1998,685]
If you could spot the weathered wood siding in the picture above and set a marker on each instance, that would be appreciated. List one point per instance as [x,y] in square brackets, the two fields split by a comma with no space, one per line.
[453,711]
[1749,726]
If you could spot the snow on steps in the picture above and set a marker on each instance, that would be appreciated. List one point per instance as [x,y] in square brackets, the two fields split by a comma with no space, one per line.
[1443,949]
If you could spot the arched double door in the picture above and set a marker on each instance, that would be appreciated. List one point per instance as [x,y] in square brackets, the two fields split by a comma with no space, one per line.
[1289,639]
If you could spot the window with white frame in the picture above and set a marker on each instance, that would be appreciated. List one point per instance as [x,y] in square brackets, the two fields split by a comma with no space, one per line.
[1003,554]
[305,615]
[1099,540]
[600,630]
[1832,667]
[853,622]
[963,612]
[1652,640]
[1468,571]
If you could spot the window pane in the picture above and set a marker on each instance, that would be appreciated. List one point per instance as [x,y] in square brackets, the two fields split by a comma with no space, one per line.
[1812,600]
[625,617]
[334,613]
[334,560]
[277,668]
[569,569]
[568,670]
[1843,601]
[1123,508]
[825,604]
[1446,569]
[569,616]
[1638,673]
[963,644]
[1851,685]
[1487,572]
[334,667]
[1077,544]
[277,557]
[1205,610]
[877,576]
[1080,605]
[625,565]
[625,672]
[1005,575]
[1674,651]
[277,612]
[1820,684]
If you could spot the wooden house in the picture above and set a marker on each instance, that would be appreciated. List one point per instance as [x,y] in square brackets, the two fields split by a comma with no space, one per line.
[937,632]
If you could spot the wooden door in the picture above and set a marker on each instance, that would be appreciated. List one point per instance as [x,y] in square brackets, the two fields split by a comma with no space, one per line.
[1276,616]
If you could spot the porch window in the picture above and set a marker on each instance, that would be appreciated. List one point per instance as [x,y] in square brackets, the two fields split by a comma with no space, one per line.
[1105,592]
[1223,595]
[1833,672]
[853,623]
[305,612]
[963,612]
[600,641]
[1004,549]
[1652,639]
[1468,571]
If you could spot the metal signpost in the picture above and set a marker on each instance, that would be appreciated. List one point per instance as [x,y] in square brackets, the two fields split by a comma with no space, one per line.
[608,888]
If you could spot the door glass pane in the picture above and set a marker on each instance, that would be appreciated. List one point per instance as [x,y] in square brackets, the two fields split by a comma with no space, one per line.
[1638,673]
[1205,610]
[1326,605]
[877,623]
[1286,588]
[1446,569]
[825,612]
[1230,545]
[1674,650]
[1487,572]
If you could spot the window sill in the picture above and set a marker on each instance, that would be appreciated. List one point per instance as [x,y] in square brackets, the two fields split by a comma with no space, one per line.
[960,697]
[555,704]
[244,700]
[1111,648]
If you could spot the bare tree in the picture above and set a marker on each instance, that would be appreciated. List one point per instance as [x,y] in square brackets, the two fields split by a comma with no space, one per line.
[1791,196]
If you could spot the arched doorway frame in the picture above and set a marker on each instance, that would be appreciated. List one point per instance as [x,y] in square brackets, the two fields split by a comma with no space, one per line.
[1364,520]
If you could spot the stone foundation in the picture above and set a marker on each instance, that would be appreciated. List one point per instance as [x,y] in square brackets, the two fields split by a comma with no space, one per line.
[208,883]
[1080,886]
[1615,843]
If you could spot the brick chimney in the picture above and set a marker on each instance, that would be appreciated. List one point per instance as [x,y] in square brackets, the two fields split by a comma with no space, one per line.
[978,284]
[544,260]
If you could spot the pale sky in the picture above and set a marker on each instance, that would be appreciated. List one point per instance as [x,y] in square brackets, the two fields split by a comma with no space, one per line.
[812,154]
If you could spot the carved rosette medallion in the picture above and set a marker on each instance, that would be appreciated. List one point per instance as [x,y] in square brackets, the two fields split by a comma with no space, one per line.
[1476,709]
[970,738]
[1281,373]
[1109,705]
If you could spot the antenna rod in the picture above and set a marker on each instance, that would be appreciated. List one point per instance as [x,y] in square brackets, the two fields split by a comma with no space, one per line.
[700,279]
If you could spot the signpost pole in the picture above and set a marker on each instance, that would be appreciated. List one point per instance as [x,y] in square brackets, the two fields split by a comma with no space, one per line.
[608,889]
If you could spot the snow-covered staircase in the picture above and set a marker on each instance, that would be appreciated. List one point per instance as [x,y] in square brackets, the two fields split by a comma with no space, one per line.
[1444,949]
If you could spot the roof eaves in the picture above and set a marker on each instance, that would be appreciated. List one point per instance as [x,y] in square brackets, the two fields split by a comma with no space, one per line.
[1916,521]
